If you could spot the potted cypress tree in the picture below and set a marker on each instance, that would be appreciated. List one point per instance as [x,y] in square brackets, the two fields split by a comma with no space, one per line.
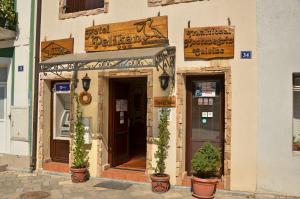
[159,180]
[79,171]
[206,164]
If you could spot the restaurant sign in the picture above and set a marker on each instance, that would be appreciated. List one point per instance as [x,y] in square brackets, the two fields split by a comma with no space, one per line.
[209,42]
[56,47]
[164,101]
[127,35]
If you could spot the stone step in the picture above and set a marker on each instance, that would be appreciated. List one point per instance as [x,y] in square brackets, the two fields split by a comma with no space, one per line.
[3,167]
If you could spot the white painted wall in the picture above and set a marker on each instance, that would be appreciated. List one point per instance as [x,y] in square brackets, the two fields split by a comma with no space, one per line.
[21,91]
[278,168]
[201,13]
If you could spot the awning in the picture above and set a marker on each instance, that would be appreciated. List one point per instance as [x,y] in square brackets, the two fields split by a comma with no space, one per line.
[6,34]
[133,58]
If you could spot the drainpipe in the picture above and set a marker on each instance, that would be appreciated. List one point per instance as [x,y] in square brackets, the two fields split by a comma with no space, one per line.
[36,78]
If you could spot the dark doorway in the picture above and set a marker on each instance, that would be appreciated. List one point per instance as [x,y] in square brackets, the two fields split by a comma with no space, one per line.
[205,115]
[127,124]
[60,122]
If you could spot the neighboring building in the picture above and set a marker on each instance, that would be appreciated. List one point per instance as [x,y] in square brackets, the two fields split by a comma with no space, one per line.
[16,63]
[124,47]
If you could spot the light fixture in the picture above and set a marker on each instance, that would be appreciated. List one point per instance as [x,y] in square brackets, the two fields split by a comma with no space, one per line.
[164,80]
[86,81]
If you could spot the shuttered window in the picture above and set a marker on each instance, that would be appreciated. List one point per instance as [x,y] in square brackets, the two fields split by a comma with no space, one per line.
[81,5]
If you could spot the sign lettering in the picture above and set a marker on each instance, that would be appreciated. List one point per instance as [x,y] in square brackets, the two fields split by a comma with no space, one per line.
[164,102]
[209,42]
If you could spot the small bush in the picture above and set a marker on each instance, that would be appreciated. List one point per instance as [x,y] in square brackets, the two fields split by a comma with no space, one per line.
[206,162]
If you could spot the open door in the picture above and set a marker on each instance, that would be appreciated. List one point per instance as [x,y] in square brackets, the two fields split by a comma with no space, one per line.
[119,123]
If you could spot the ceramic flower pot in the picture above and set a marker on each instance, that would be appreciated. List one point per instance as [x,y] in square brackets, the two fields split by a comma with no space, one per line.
[79,175]
[204,188]
[160,183]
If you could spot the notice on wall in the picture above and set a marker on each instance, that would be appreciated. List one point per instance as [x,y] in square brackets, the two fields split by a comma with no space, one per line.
[209,42]
[122,116]
[50,49]
[121,105]
[205,89]
[148,32]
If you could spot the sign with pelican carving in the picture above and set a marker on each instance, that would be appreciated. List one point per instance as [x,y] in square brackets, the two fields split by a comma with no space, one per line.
[55,48]
[209,42]
[127,35]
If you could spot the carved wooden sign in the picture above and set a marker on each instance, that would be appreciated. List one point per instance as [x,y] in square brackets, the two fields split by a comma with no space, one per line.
[55,48]
[209,42]
[127,35]
[164,101]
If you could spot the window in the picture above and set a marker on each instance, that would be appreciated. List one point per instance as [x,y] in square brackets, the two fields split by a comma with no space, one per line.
[296,112]
[81,5]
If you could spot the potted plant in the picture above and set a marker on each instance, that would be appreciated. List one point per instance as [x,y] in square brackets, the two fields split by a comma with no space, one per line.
[79,171]
[206,165]
[159,180]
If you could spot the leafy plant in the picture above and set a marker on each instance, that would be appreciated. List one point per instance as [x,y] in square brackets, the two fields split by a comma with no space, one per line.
[79,152]
[162,142]
[8,16]
[207,161]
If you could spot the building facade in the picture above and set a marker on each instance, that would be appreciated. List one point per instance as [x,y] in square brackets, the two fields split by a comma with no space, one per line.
[215,94]
[16,64]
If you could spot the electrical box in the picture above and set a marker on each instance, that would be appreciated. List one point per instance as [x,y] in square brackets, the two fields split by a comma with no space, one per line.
[19,123]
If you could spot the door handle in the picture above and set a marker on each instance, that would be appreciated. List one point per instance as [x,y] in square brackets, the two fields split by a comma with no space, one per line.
[9,116]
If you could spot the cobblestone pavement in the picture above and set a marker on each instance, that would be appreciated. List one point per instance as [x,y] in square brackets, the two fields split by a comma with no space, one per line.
[14,184]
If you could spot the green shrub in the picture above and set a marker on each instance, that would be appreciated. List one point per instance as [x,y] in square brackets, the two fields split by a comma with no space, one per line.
[79,152]
[206,162]
[8,16]
[162,142]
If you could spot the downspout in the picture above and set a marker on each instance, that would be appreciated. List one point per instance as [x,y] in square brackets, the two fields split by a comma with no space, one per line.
[36,77]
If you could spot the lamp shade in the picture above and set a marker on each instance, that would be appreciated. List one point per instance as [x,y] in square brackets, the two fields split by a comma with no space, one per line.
[164,80]
[86,81]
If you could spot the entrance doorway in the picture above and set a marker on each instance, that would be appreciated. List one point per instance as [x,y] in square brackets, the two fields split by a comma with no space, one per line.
[60,117]
[205,115]
[127,123]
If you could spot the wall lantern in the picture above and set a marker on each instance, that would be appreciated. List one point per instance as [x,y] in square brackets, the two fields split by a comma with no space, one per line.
[86,81]
[164,80]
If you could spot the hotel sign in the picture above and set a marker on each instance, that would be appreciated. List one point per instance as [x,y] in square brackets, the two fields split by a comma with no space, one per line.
[127,35]
[56,47]
[209,42]
[164,102]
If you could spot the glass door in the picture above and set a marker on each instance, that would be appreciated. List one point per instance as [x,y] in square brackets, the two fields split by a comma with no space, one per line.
[205,114]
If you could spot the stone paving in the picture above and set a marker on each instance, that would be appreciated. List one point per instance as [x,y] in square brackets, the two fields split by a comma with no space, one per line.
[14,184]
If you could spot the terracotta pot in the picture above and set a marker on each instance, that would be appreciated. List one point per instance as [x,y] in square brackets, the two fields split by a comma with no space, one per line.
[160,183]
[79,175]
[204,188]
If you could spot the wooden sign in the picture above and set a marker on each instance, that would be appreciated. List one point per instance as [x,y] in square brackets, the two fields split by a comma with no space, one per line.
[209,42]
[56,47]
[164,102]
[127,35]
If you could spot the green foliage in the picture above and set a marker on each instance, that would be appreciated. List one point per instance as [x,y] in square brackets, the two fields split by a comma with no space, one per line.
[162,142]
[79,152]
[207,161]
[8,16]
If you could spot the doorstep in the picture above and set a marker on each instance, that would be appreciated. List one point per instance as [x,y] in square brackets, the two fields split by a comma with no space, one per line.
[128,175]
[56,167]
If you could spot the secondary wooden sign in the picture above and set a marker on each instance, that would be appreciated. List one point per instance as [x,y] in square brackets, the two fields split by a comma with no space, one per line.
[127,35]
[209,42]
[164,102]
[56,47]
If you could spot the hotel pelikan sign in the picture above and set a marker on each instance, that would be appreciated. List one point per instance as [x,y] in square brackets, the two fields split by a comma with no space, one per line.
[148,32]
[209,42]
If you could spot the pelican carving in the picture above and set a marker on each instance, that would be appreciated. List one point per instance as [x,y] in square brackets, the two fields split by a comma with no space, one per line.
[148,30]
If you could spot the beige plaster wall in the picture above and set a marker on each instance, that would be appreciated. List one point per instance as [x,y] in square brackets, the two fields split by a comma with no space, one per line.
[242,15]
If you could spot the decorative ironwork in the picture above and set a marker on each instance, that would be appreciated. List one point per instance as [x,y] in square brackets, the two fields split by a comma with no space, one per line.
[163,59]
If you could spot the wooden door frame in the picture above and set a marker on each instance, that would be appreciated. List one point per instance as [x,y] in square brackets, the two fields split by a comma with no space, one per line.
[189,80]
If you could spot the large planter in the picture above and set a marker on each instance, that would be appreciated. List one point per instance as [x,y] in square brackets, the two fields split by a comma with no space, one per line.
[79,175]
[204,188]
[160,183]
